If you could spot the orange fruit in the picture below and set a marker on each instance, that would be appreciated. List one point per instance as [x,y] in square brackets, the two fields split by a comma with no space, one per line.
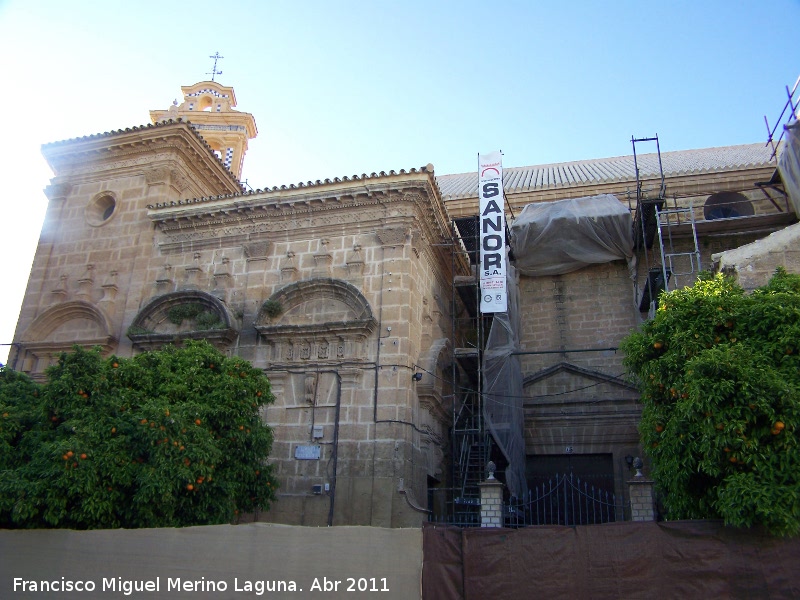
[779,425]
[70,454]
[190,487]
[659,428]
[197,421]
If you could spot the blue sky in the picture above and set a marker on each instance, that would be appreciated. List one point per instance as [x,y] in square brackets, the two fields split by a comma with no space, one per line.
[348,87]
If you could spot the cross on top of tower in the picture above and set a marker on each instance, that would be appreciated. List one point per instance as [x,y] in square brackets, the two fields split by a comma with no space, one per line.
[214,71]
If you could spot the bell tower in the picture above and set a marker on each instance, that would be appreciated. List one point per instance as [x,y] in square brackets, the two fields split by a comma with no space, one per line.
[208,106]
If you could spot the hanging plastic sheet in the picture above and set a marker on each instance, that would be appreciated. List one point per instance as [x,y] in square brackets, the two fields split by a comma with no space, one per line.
[553,238]
[502,389]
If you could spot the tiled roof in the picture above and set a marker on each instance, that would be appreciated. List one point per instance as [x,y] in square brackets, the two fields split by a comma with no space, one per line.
[611,170]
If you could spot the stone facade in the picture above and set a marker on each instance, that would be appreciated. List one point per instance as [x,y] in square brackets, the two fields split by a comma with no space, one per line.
[342,291]
[144,220]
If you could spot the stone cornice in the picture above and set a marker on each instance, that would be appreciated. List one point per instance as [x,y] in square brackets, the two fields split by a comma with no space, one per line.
[304,194]
[265,210]
[96,153]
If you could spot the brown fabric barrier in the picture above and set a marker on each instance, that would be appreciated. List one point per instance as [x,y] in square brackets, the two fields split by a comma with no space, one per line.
[681,559]
[234,555]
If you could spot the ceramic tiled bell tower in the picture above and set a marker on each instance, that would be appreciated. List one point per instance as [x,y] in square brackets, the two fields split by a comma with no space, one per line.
[208,106]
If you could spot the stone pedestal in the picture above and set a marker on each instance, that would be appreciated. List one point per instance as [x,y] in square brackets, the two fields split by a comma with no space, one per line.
[641,495]
[491,503]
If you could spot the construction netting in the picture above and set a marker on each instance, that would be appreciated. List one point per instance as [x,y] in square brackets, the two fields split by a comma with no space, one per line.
[789,164]
[553,238]
[547,238]
[502,389]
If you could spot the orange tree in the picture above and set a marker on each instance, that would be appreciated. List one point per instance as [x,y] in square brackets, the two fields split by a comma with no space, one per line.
[719,374]
[164,439]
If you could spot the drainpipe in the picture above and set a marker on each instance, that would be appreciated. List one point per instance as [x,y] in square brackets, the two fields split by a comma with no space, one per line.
[335,442]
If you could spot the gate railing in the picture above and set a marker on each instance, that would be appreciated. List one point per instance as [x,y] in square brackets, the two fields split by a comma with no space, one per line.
[565,500]
[562,500]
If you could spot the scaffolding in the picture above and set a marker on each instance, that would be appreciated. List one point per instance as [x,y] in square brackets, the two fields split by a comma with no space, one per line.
[481,423]
[667,267]
[658,239]
[470,442]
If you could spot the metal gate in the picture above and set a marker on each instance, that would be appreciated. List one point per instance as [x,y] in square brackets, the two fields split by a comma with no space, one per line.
[564,500]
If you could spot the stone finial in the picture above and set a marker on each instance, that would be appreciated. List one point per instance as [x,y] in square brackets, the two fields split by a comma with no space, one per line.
[638,464]
[491,468]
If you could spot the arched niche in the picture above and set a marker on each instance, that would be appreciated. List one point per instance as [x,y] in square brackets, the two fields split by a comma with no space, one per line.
[182,315]
[61,327]
[316,319]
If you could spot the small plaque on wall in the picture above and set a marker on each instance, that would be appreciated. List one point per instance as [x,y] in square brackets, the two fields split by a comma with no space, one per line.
[307,452]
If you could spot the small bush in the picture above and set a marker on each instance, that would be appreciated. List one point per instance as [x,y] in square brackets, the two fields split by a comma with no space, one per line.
[272,308]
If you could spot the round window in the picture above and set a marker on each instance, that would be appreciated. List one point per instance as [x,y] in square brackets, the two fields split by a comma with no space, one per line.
[100,209]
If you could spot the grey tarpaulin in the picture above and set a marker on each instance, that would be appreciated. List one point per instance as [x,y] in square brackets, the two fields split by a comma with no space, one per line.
[502,389]
[789,164]
[553,238]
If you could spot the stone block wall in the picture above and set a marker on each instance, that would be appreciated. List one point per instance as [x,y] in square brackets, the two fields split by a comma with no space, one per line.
[753,264]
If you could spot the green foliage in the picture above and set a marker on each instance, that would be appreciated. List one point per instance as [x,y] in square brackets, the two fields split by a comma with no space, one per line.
[137,330]
[164,439]
[183,312]
[208,320]
[719,374]
[272,308]
[203,319]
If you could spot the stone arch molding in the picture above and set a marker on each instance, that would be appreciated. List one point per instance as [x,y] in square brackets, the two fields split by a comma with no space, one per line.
[435,385]
[435,394]
[209,319]
[61,327]
[320,319]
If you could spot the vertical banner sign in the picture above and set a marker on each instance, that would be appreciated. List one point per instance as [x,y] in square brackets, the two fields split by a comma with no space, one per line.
[492,222]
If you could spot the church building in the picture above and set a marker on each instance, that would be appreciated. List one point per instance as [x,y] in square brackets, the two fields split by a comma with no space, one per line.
[359,297]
